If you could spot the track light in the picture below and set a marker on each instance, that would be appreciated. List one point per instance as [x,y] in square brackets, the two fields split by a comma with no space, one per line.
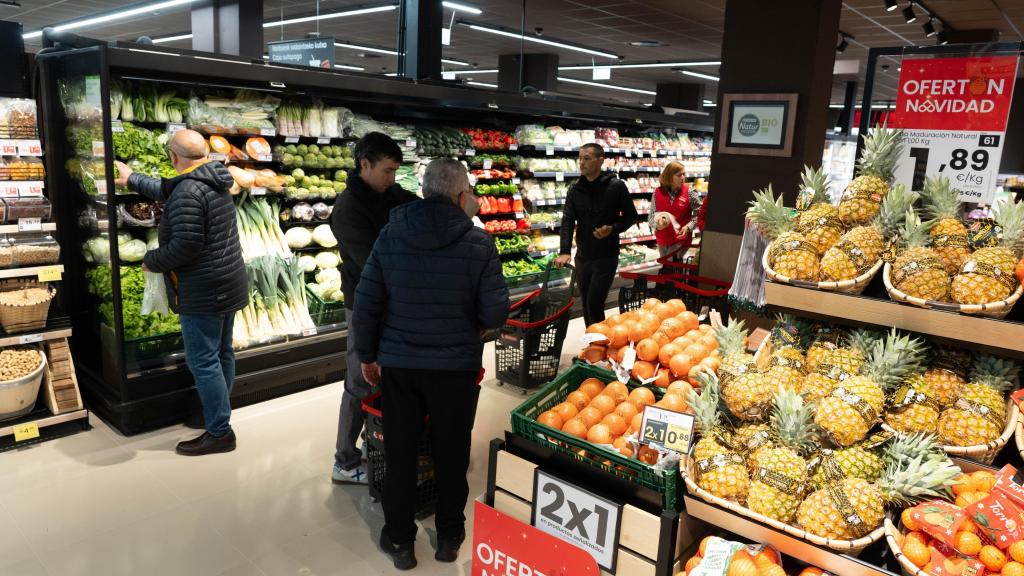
[843,45]
[941,39]
[929,28]
[908,14]
[890,5]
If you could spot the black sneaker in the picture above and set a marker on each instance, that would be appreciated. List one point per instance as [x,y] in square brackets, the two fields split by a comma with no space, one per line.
[207,444]
[403,555]
[448,548]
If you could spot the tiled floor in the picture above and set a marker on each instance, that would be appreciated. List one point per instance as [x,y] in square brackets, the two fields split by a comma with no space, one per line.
[101,504]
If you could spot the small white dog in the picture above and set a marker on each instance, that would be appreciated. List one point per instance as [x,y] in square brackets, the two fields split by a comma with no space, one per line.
[663,220]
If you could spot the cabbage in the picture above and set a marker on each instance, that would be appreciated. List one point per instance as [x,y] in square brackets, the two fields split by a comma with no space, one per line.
[132,251]
[328,276]
[124,237]
[307,263]
[327,260]
[97,249]
[298,237]
[323,236]
[153,243]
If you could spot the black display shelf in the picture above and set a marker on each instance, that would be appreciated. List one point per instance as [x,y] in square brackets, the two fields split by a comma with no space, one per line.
[50,427]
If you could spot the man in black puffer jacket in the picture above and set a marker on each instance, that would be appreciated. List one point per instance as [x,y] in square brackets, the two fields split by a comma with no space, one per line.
[431,287]
[201,260]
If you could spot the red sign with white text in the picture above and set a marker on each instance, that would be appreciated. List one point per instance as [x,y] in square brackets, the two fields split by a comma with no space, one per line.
[971,93]
[504,546]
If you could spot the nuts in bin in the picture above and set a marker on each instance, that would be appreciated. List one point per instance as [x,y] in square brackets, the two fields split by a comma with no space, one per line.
[18,362]
[25,297]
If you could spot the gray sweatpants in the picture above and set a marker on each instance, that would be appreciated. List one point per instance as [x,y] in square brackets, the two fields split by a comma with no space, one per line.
[351,416]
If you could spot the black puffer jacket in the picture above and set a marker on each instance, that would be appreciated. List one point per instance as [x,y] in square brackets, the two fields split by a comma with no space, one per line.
[432,282]
[199,252]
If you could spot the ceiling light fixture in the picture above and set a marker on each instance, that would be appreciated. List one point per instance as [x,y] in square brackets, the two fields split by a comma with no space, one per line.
[929,28]
[890,5]
[454,62]
[908,14]
[941,38]
[608,86]
[171,38]
[347,67]
[493,71]
[331,15]
[482,84]
[699,75]
[645,65]
[110,16]
[458,6]
[365,48]
[503,32]
[843,45]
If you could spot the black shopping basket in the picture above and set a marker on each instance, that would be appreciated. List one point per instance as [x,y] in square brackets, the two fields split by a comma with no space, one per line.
[373,439]
[528,349]
[654,285]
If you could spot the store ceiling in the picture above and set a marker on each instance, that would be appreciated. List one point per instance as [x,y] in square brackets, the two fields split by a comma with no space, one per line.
[690,31]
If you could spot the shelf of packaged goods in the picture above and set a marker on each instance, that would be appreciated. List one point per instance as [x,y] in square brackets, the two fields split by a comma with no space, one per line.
[638,239]
[553,202]
[1000,336]
[15,228]
[836,563]
[48,426]
[45,272]
[554,175]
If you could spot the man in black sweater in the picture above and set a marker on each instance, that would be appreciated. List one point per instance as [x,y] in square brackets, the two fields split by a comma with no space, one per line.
[201,260]
[360,213]
[598,208]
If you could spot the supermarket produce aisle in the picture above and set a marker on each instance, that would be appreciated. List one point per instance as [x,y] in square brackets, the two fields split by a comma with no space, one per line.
[101,503]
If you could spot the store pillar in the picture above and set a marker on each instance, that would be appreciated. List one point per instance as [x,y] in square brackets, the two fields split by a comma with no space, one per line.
[419,40]
[228,27]
[768,48]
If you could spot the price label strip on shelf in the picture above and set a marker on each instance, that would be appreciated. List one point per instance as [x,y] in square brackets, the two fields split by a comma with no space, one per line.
[30,189]
[175,127]
[49,273]
[30,224]
[23,432]
[30,148]
[549,150]
[30,338]
[8,148]
[323,140]
[116,126]
[953,112]
[667,429]
[291,140]
[9,189]
[488,163]
[268,132]
[98,148]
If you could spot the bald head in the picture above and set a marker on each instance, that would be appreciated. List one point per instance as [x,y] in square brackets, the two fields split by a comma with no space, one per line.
[189,145]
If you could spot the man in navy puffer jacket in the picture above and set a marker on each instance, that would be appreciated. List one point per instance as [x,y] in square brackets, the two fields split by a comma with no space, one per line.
[431,287]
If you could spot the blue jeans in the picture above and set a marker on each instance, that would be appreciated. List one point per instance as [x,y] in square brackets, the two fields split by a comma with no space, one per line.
[211,359]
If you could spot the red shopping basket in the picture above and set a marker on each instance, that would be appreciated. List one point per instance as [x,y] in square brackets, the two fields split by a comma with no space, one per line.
[528,349]
[654,285]
[702,294]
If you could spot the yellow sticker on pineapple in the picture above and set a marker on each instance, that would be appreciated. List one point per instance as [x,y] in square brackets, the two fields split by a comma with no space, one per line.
[49,273]
[24,432]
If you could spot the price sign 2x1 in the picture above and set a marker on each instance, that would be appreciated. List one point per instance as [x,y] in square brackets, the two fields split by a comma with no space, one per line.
[667,429]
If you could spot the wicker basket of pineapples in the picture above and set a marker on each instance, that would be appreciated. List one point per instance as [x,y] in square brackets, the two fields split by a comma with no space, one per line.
[801,455]
[936,267]
[837,248]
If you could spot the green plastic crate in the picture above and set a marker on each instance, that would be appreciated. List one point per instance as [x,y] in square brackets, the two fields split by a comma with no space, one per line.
[525,425]
[323,312]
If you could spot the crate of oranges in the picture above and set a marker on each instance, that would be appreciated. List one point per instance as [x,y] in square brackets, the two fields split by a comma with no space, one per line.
[720,557]
[587,414]
[979,533]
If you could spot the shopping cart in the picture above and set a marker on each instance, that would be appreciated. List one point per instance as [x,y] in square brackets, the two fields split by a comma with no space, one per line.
[675,280]
[528,348]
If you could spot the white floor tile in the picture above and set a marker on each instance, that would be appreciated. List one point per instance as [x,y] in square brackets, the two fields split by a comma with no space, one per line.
[31,567]
[14,548]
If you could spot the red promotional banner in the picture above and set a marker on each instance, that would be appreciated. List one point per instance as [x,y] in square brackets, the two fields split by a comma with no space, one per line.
[972,93]
[504,546]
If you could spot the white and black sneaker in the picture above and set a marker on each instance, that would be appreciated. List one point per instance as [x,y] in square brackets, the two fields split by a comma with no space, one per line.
[355,475]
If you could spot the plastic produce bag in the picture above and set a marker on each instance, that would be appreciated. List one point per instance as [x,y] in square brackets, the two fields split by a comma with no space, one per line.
[154,298]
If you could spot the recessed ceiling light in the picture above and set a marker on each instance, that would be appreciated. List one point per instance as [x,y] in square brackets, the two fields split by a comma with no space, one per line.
[111,16]
[608,86]
[648,44]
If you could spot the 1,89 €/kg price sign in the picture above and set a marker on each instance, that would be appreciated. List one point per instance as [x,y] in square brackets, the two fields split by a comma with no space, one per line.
[953,112]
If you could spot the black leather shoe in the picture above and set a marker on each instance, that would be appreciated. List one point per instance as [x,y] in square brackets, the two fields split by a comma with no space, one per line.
[207,444]
[448,548]
[404,555]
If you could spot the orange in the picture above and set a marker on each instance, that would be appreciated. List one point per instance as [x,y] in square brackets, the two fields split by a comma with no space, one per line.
[672,402]
[615,423]
[713,362]
[681,364]
[683,341]
[664,378]
[992,557]
[907,517]
[919,536]
[812,571]
[604,403]
[695,370]
[661,338]
[578,399]
[617,391]
[643,370]
[967,543]
[697,351]
[599,434]
[619,336]
[702,548]
[771,570]
[590,415]
[916,552]
[594,354]
[984,481]
[647,455]
[636,421]
[627,410]
[647,350]
[710,341]
[1013,569]
[575,427]
[678,306]
[623,446]
[650,303]
[740,566]
[689,320]
[566,411]
[667,352]
[964,484]
[1016,551]
[965,499]
[664,311]
[591,386]
[693,563]
[550,418]
[680,387]
[613,320]
[766,555]
[641,397]
[674,327]
[968,525]
[598,328]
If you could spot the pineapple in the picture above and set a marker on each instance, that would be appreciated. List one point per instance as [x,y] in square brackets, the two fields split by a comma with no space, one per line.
[838,365]
[906,448]
[947,373]
[819,223]
[915,407]
[866,461]
[786,364]
[853,406]
[720,470]
[987,275]
[863,197]
[750,437]
[732,344]
[790,253]
[824,340]
[949,235]
[918,270]
[780,472]
[859,249]
[854,507]
[748,396]
[979,413]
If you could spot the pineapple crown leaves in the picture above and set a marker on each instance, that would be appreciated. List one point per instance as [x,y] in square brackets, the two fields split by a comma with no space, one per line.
[918,478]
[882,148]
[768,211]
[894,209]
[905,448]
[939,198]
[863,340]
[816,181]
[997,373]
[705,403]
[914,232]
[893,358]
[793,420]
[1010,215]
[731,337]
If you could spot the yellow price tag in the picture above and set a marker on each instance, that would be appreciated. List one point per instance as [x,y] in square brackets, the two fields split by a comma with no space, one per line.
[667,429]
[24,432]
[49,273]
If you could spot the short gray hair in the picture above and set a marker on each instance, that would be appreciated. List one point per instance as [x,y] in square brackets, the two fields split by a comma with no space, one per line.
[444,177]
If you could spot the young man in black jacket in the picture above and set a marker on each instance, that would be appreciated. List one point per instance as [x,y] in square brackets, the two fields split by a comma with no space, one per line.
[431,287]
[598,208]
[360,213]
[201,259]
